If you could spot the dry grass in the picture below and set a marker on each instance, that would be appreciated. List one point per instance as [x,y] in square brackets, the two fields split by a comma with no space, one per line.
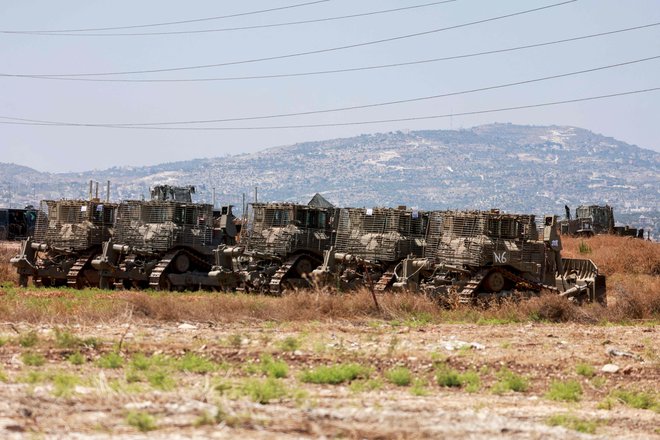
[8,273]
[617,255]
[632,266]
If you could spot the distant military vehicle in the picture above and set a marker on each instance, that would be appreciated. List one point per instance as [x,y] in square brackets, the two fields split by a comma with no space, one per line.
[67,236]
[475,254]
[371,242]
[17,224]
[164,243]
[283,244]
[595,219]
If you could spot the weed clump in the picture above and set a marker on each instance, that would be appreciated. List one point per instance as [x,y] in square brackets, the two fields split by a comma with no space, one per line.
[33,359]
[569,391]
[510,381]
[335,374]
[574,423]
[399,376]
[141,420]
[111,360]
[263,391]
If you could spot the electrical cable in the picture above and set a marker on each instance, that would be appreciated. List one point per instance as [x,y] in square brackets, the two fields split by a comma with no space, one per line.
[317,51]
[354,69]
[239,28]
[387,103]
[22,121]
[169,23]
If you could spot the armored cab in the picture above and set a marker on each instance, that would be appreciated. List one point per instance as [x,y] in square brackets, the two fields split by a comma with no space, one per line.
[370,242]
[164,243]
[68,235]
[284,243]
[17,224]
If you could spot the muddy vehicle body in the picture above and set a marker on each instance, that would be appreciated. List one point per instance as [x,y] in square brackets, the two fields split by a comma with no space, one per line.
[283,244]
[166,243]
[68,235]
[370,243]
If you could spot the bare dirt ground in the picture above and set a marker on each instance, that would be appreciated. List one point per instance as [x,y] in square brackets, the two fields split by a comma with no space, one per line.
[152,393]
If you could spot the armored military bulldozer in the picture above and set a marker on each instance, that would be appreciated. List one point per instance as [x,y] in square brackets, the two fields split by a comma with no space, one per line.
[593,220]
[165,243]
[68,235]
[283,244]
[482,254]
[370,243]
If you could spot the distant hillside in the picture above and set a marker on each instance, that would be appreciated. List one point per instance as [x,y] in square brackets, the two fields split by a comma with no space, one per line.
[511,167]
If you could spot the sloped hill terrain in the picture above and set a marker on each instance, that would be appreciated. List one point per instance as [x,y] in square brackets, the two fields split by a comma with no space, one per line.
[511,167]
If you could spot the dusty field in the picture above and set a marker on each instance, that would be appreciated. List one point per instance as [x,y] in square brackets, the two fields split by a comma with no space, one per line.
[93,364]
[182,380]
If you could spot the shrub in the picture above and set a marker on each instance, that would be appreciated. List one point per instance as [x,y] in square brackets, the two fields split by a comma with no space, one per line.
[574,423]
[569,391]
[263,391]
[111,360]
[289,344]
[160,380]
[510,381]
[29,339]
[399,376]
[141,420]
[76,358]
[638,399]
[273,368]
[33,359]
[65,339]
[585,370]
[448,377]
[64,384]
[335,374]
[196,364]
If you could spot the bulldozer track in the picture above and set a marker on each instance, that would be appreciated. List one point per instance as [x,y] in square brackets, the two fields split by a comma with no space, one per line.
[74,276]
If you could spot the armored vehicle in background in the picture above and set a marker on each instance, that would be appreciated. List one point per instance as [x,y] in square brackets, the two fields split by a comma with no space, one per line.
[371,242]
[17,224]
[165,243]
[467,255]
[594,219]
[283,244]
[68,235]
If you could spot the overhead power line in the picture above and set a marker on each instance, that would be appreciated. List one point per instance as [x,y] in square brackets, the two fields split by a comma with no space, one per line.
[311,52]
[353,69]
[340,109]
[228,29]
[19,121]
[168,23]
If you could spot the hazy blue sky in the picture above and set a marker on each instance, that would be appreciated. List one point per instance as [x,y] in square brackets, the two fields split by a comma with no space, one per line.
[634,119]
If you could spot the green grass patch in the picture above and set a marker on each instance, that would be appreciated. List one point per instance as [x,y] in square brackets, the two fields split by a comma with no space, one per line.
[585,370]
[76,358]
[273,368]
[335,374]
[638,399]
[32,377]
[28,339]
[193,363]
[33,359]
[64,384]
[568,391]
[289,344]
[399,376]
[160,380]
[360,386]
[451,378]
[510,381]
[418,387]
[263,391]
[112,360]
[584,248]
[142,421]
[574,423]
[66,339]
